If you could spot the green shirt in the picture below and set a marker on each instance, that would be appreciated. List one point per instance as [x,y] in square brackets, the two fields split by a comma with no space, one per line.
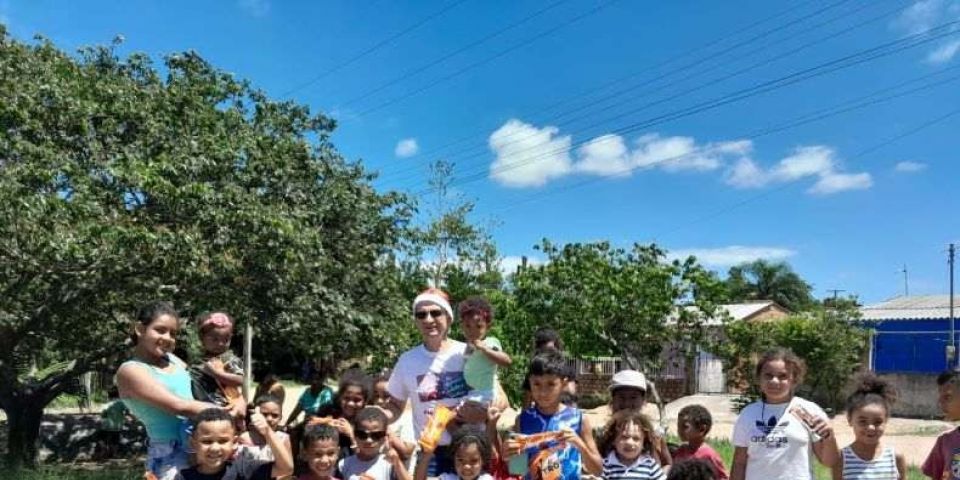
[479,371]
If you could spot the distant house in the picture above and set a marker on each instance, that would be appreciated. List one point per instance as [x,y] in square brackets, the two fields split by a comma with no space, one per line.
[908,346]
[672,380]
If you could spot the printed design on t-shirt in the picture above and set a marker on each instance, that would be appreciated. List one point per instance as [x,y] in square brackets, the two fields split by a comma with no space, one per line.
[772,432]
[955,463]
[434,386]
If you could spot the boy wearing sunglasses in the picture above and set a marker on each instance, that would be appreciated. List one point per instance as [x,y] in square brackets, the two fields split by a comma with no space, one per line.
[373,458]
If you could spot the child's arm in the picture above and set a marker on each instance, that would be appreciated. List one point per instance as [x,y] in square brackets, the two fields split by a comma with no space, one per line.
[498,357]
[901,466]
[396,463]
[836,472]
[423,465]
[738,470]
[283,465]
[293,415]
[216,368]
[493,416]
[584,442]
[826,449]
[403,448]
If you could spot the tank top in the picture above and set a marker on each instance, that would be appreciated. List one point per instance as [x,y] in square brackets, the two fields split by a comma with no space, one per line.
[161,425]
[884,467]
[568,459]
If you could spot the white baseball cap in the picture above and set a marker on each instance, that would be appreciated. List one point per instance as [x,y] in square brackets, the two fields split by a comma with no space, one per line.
[629,379]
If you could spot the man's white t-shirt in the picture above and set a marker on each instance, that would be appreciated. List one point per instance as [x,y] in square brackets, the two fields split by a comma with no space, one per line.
[778,444]
[426,378]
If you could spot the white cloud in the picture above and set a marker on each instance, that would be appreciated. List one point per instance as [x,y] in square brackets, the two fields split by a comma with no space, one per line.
[810,161]
[944,53]
[910,167]
[406,148]
[527,156]
[841,182]
[605,155]
[510,263]
[257,8]
[731,255]
[804,162]
[746,174]
[923,15]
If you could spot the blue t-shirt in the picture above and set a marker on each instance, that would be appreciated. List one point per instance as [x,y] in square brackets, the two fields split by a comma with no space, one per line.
[311,403]
[161,425]
[568,459]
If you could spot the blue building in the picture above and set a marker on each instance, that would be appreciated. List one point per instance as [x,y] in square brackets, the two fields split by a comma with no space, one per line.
[911,334]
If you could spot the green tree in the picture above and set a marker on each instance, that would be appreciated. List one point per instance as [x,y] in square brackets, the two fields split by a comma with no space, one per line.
[830,340]
[763,280]
[614,301]
[120,184]
[454,252]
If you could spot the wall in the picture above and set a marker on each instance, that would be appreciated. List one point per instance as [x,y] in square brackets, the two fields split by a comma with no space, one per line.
[670,389]
[917,394]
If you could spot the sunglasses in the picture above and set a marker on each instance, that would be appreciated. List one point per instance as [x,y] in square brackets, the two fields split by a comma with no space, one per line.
[422,314]
[366,435]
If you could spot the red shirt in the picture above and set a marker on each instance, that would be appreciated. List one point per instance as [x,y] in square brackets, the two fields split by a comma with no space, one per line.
[706,453]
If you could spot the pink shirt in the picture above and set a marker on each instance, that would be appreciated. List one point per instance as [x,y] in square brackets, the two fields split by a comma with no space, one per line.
[943,463]
[706,453]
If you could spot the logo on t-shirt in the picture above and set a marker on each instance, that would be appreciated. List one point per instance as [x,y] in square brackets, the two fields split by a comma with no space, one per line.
[772,432]
[434,386]
[955,463]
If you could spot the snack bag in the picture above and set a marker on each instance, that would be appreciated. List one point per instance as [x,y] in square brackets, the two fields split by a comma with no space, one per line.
[436,425]
[807,418]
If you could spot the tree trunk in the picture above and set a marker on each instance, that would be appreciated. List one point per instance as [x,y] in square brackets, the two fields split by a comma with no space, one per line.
[24,415]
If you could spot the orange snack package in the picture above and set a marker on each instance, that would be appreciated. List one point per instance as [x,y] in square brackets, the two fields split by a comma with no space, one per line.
[430,438]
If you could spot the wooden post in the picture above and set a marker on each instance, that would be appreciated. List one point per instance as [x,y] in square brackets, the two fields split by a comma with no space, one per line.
[248,361]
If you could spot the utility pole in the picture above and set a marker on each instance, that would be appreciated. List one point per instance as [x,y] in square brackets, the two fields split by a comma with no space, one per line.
[835,291]
[953,336]
[906,284]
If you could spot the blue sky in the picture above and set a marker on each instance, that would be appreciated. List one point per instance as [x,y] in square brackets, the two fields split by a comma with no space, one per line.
[578,120]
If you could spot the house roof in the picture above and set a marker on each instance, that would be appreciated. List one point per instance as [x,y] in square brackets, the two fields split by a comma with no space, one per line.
[919,307]
[741,311]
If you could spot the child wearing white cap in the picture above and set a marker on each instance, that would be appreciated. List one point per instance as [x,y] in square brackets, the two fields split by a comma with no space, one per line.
[628,391]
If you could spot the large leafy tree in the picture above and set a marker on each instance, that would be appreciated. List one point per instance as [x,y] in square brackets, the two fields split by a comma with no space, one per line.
[613,301]
[764,280]
[121,183]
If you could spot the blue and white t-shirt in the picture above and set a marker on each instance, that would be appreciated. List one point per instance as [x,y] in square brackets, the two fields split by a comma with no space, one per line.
[643,468]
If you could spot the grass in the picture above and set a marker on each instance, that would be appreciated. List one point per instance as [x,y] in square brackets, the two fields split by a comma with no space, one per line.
[725,449]
[63,472]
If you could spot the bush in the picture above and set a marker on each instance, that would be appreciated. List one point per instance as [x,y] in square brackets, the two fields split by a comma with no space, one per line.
[830,341]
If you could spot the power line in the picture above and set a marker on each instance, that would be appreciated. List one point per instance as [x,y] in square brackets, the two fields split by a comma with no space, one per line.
[844,107]
[657,66]
[452,54]
[860,154]
[375,47]
[489,59]
[483,153]
[844,62]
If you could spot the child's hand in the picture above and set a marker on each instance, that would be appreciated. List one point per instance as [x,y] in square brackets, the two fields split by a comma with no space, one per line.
[343,426]
[259,423]
[573,438]
[512,446]
[821,426]
[493,415]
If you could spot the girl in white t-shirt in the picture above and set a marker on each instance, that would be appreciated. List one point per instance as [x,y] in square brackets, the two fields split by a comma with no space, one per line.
[774,437]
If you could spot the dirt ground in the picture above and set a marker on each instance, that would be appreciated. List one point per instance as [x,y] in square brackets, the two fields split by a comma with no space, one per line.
[911,437]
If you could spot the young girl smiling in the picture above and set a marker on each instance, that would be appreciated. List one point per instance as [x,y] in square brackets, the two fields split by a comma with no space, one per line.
[774,437]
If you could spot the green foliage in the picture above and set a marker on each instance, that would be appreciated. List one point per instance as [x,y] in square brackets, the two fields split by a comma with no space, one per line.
[763,280]
[830,341]
[120,184]
[613,301]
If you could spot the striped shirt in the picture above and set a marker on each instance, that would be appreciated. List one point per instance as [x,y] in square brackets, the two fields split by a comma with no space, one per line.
[644,468]
[884,467]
